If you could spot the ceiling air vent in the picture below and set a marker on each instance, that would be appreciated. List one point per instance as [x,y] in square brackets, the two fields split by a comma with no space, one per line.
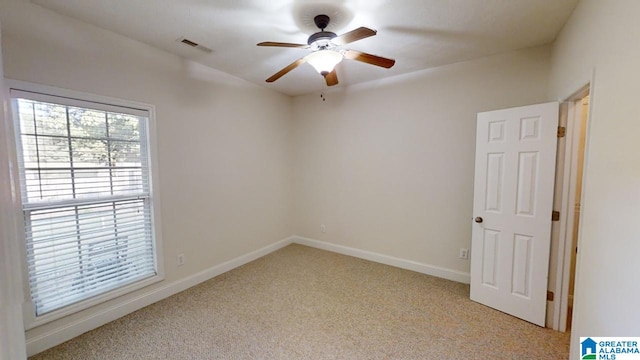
[194,44]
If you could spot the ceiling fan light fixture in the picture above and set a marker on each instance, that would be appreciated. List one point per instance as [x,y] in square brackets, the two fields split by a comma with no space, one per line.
[324,60]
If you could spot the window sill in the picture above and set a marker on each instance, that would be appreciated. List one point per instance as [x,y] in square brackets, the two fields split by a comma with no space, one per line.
[32,321]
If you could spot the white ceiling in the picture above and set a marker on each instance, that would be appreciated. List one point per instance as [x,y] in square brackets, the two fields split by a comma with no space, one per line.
[418,34]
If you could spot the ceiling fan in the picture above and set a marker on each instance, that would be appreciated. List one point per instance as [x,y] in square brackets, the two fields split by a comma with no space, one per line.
[327,51]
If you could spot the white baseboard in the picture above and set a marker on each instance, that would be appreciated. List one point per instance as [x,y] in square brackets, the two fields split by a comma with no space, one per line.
[67,332]
[427,269]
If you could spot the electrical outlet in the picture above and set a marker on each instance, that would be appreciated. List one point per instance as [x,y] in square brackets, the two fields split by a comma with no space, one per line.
[464,254]
[180,259]
[323,228]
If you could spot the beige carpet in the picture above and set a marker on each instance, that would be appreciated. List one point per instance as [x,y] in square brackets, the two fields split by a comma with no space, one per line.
[304,303]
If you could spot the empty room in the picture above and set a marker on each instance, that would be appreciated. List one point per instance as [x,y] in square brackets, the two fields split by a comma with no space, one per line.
[319,179]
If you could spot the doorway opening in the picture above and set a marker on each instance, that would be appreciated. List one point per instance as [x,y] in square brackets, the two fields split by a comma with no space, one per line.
[575,113]
[581,132]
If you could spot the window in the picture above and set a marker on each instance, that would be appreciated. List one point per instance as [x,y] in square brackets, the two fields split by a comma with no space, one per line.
[86,197]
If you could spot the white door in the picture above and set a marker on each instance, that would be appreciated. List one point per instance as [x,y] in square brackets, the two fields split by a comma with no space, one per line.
[512,206]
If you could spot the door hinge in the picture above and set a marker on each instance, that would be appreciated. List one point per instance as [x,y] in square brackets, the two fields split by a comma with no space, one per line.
[549,295]
[562,131]
[555,216]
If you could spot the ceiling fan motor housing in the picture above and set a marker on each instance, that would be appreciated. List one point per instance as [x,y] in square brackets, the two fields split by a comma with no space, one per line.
[322,21]
[322,35]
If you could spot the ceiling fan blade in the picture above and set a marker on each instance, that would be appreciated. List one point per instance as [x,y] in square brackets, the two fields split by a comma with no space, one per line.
[331,78]
[281,44]
[354,35]
[369,59]
[288,68]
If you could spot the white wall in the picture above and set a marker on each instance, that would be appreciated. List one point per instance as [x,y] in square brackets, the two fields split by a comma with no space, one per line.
[388,166]
[11,328]
[223,144]
[601,38]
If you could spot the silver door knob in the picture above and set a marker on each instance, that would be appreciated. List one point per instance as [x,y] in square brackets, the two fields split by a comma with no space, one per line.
[478,219]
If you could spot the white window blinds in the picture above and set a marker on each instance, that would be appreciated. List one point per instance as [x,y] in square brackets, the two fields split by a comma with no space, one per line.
[85,186]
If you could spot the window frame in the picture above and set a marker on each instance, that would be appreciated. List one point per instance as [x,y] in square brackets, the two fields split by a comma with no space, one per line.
[30,319]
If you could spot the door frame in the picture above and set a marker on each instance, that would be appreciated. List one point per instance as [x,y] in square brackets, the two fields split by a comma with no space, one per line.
[572,114]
